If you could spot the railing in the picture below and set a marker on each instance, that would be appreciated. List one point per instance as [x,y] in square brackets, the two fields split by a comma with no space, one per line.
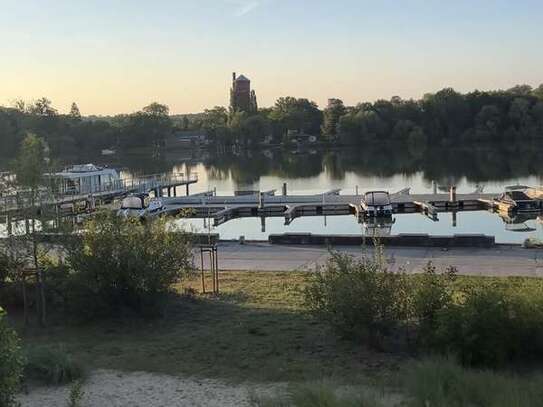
[56,194]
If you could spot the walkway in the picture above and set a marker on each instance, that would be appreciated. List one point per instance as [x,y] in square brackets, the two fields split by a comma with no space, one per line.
[499,261]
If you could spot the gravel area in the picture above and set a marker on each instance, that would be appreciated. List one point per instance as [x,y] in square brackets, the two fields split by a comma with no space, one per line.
[115,389]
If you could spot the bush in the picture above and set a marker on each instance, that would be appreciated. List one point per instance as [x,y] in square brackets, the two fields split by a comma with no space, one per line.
[361,299]
[483,324]
[491,326]
[51,365]
[11,363]
[122,264]
[431,293]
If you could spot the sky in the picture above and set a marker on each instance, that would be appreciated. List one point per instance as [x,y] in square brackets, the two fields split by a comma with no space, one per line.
[117,56]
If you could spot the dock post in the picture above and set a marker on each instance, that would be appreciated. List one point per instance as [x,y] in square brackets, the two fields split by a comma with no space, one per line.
[454,219]
[263,224]
[174,191]
[284,188]
[260,200]
[452,194]
[434,187]
[187,189]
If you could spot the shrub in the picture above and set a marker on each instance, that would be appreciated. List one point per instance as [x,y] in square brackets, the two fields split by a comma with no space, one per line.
[483,323]
[123,264]
[431,292]
[491,326]
[51,365]
[361,299]
[11,363]
[76,394]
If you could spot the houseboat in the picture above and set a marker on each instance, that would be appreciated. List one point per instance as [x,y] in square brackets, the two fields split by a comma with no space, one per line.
[84,179]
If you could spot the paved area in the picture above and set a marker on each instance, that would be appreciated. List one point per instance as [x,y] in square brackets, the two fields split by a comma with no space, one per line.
[498,261]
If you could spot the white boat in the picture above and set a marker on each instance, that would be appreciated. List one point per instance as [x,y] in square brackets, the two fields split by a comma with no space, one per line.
[86,179]
[141,206]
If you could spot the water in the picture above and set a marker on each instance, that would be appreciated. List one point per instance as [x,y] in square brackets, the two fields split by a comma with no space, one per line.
[316,171]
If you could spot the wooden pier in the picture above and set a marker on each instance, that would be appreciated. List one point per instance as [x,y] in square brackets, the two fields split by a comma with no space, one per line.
[224,208]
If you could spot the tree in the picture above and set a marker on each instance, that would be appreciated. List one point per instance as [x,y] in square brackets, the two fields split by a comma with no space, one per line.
[11,363]
[30,163]
[538,92]
[75,114]
[488,122]
[156,109]
[42,107]
[297,114]
[332,114]
[150,126]
[520,90]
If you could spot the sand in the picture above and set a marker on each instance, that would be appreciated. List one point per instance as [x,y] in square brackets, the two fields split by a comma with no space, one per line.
[107,388]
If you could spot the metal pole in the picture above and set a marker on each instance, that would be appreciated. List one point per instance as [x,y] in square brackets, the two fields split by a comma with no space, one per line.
[217,267]
[212,264]
[202,265]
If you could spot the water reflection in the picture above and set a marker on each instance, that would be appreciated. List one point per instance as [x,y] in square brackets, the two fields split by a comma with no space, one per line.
[445,165]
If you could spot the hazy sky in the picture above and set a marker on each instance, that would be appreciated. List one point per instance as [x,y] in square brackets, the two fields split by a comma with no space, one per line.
[118,55]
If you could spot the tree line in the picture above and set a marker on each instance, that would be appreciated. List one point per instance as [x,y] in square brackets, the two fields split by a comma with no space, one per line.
[438,119]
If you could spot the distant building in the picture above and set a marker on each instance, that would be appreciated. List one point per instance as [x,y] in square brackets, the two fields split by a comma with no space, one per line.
[242,98]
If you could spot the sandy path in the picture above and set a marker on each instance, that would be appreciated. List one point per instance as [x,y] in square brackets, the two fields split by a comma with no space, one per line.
[105,388]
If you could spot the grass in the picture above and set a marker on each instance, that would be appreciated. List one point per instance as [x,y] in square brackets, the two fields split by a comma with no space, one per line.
[256,330]
[322,394]
[51,365]
[442,382]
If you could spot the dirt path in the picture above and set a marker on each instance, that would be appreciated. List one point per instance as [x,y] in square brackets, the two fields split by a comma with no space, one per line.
[138,389]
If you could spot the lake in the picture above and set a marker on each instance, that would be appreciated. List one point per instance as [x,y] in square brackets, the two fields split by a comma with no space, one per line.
[316,171]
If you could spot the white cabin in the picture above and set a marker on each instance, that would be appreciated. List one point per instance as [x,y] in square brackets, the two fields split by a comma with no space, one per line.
[86,179]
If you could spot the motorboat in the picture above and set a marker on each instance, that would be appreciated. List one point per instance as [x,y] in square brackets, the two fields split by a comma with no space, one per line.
[519,199]
[141,206]
[376,204]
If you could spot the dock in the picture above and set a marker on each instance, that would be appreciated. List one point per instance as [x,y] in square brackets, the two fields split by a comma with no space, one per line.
[71,203]
[224,208]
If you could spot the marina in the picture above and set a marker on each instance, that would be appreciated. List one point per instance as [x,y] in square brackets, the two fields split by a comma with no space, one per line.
[261,206]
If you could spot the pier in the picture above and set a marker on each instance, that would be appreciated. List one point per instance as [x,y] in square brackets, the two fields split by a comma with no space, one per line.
[72,202]
[224,208]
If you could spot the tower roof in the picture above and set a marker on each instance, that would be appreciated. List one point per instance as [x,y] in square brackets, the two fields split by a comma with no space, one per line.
[242,78]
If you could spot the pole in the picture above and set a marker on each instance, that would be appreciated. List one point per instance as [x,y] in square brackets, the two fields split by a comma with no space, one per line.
[212,264]
[202,265]
[217,266]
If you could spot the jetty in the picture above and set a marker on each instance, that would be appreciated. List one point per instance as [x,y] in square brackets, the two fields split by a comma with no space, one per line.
[266,204]
[72,201]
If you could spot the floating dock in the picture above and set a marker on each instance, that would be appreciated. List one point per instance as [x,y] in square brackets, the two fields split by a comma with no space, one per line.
[224,208]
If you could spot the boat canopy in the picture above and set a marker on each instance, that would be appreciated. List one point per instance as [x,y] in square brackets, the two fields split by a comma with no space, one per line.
[377,198]
[132,202]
